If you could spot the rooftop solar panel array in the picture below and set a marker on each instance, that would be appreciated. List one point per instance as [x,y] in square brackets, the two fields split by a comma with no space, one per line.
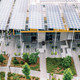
[5,9]
[36,20]
[54,19]
[71,16]
[18,18]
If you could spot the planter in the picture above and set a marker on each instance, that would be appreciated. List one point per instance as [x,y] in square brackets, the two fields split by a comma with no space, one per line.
[27,46]
[74,49]
[78,45]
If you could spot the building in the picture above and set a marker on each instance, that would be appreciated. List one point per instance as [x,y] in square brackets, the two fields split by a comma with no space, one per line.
[34,21]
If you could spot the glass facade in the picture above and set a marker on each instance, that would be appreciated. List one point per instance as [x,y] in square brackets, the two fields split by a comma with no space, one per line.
[52,36]
[29,37]
[77,36]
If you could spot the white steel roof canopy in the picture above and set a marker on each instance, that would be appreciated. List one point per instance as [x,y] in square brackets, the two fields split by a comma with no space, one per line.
[71,16]
[36,20]
[58,1]
[38,14]
[53,17]
[5,9]
[18,18]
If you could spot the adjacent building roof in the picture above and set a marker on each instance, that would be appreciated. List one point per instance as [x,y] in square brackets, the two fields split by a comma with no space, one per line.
[5,9]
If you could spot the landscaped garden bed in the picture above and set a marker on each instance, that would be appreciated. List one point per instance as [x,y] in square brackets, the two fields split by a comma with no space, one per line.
[79,57]
[3,59]
[58,65]
[2,75]
[33,61]
[13,76]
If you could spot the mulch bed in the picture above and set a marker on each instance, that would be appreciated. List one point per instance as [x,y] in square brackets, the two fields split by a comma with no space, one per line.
[5,62]
[21,77]
[20,65]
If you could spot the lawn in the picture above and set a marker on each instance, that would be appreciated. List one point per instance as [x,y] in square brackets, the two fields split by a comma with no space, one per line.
[2,75]
[53,65]
[13,76]
[32,66]
[5,62]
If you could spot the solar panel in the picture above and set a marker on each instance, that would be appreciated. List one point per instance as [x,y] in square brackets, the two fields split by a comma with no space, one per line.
[36,20]
[18,18]
[71,17]
[54,19]
[5,9]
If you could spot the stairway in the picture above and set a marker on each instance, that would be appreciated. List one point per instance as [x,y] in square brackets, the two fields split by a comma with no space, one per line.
[66,51]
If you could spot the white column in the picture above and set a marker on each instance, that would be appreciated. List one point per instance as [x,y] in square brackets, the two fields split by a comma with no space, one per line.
[72,40]
[55,41]
[41,37]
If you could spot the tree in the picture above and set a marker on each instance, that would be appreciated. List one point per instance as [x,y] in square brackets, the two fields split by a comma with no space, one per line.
[1,58]
[26,70]
[66,62]
[68,74]
[25,56]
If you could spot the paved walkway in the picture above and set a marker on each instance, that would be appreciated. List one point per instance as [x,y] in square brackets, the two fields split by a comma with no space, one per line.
[43,67]
[76,62]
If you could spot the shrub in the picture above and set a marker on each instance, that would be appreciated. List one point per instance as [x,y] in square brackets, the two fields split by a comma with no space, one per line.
[26,56]
[78,45]
[15,54]
[68,74]
[1,58]
[19,46]
[33,77]
[15,61]
[58,79]
[52,53]
[9,74]
[33,58]
[16,77]
[55,53]
[53,78]
[36,78]
[66,62]
[19,54]
[2,74]
[79,56]
[22,62]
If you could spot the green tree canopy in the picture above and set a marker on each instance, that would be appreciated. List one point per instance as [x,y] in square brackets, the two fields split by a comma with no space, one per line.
[68,74]
[1,58]
[66,62]
[26,71]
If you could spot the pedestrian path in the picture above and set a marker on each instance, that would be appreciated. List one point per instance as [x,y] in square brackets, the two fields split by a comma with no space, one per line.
[43,75]
[76,62]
